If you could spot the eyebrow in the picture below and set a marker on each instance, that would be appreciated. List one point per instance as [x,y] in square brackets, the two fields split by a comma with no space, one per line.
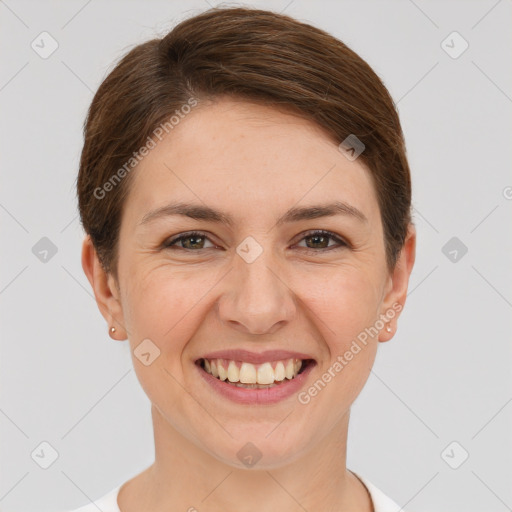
[294,214]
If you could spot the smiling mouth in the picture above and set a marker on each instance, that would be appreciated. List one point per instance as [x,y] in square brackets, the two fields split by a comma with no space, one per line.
[254,376]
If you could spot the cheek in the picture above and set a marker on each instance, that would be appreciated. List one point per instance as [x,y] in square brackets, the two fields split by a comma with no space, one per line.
[165,305]
[168,304]
[344,301]
[162,305]
[345,308]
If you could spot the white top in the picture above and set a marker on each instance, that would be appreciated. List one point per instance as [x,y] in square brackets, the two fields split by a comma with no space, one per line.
[381,502]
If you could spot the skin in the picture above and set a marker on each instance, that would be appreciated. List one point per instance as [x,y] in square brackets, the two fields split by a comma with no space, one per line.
[254,163]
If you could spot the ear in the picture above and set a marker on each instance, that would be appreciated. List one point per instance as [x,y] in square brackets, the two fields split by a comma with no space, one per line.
[398,283]
[106,290]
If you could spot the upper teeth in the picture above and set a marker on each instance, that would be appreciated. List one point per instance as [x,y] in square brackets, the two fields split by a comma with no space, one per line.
[247,373]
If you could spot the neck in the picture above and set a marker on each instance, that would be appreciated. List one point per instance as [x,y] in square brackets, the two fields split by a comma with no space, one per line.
[185,477]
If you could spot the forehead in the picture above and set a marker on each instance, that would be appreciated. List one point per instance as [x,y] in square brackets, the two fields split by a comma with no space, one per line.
[248,159]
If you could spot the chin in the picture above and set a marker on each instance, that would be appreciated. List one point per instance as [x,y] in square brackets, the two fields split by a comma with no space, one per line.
[263,446]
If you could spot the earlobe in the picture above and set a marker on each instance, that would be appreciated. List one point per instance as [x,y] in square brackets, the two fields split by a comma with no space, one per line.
[394,301]
[104,288]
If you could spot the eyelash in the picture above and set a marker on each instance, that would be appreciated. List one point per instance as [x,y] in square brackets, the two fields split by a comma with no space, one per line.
[170,244]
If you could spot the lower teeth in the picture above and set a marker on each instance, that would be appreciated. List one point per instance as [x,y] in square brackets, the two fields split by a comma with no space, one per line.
[254,386]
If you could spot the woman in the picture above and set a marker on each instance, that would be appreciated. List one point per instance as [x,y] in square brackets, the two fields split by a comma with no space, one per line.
[246,198]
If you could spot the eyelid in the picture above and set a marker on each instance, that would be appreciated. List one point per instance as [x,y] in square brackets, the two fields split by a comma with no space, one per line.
[340,241]
[323,232]
[169,242]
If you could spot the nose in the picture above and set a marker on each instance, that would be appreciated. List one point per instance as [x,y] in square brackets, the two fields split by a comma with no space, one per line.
[256,298]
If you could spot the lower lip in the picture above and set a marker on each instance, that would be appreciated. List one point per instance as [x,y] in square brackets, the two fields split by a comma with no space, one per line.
[264,396]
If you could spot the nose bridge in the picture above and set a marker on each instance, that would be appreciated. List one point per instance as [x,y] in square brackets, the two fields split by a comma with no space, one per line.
[259,297]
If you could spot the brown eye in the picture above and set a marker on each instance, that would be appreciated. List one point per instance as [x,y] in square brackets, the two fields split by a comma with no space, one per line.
[316,241]
[189,241]
[319,240]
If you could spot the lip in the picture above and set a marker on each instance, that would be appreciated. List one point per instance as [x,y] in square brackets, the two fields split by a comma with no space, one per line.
[248,396]
[255,357]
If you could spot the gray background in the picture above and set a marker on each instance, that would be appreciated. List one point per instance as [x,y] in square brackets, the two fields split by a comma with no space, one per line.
[446,374]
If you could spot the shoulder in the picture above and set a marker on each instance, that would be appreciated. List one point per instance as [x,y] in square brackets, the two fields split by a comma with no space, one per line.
[107,503]
[381,502]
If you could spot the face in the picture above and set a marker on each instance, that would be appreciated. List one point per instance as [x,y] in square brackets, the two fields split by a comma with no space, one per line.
[266,278]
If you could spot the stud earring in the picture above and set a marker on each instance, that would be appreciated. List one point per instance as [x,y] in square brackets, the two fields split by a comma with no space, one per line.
[388,328]
[112,330]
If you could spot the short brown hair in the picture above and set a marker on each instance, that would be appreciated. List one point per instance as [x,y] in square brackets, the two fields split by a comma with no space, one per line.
[252,54]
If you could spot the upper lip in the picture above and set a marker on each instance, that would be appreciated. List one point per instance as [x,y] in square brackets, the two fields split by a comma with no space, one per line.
[256,357]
